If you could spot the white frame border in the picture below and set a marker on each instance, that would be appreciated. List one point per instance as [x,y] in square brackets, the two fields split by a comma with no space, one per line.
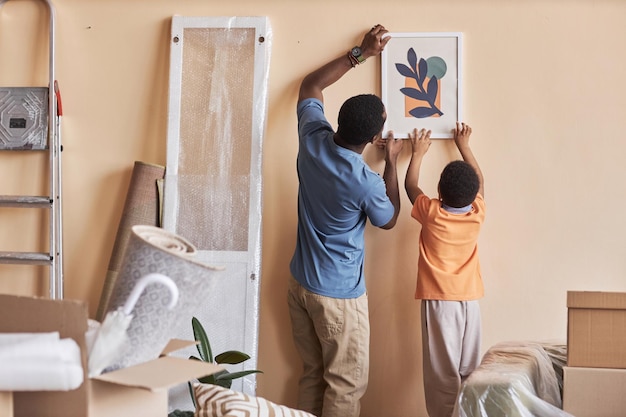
[401,131]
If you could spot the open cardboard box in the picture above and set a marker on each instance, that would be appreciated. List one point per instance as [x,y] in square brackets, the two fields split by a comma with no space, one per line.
[136,390]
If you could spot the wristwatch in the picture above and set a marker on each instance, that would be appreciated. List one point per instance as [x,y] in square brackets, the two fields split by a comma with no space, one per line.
[356,53]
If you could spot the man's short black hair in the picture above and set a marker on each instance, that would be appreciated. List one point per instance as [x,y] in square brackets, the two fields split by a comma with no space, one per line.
[458,184]
[360,119]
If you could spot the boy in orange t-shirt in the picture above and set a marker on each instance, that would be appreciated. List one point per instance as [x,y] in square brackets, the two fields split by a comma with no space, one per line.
[449,282]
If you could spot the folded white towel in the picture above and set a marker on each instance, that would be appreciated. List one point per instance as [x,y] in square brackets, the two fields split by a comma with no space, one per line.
[38,345]
[39,361]
[10,339]
[37,375]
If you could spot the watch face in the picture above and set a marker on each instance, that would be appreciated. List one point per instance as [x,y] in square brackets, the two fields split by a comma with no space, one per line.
[356,51]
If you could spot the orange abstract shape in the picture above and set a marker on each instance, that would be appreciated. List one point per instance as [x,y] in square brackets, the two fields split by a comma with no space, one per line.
[411,103]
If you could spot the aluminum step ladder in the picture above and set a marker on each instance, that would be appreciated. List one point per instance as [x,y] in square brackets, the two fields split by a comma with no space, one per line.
[30,120]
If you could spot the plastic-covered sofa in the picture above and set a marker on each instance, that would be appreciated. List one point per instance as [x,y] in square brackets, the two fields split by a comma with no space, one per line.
[515,379]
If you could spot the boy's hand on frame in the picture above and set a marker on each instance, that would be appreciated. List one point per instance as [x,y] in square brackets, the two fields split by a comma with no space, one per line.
[462,134]
[420,141]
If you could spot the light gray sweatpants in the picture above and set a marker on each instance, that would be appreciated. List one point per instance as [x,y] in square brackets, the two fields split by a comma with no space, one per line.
[451,333]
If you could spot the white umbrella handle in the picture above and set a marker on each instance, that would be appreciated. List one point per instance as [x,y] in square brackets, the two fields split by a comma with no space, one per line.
[143,283]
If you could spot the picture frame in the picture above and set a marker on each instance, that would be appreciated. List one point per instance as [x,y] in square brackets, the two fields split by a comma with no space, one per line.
[414,100]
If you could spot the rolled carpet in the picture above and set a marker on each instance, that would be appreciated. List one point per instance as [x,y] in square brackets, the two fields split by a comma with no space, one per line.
[142,207]
[151,249]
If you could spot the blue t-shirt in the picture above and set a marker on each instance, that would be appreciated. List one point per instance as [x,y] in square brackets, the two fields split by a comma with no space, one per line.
[338,192]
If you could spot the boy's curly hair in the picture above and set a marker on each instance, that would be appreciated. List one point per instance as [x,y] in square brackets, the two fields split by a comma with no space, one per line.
[458,184]
[360,119]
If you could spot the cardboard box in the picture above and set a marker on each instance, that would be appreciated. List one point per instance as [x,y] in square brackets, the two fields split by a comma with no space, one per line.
[6,403]
[594,392]
[136,390]
[596,331]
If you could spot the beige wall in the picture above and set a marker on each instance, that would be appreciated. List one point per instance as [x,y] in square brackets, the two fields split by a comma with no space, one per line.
[543,89]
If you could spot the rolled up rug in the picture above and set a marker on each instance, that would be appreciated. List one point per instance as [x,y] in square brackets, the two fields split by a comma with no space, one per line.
[151,249]
[142,207]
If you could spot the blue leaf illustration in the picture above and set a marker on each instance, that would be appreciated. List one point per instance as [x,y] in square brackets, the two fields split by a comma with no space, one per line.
[418,70]
[405,71]
[423,70]
[433,89]
[422,112]
[411,56]
[414,93]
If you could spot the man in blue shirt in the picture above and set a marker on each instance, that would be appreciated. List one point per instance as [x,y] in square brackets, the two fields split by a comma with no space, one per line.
[338,192]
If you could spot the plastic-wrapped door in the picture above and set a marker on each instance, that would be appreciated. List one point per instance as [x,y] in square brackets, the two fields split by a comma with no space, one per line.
[212,193]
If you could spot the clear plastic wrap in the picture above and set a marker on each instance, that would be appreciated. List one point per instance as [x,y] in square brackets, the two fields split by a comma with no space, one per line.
[219,71]
[515,379]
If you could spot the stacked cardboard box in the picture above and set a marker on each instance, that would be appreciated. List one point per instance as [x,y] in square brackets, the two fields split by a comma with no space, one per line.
[594,380]
[139,390]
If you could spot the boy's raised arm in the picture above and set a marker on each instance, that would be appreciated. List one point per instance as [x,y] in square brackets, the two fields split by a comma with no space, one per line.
[420,142]
[461,139]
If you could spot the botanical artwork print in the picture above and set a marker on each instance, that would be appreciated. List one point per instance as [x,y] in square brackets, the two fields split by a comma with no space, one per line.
[421,83]
[422,89]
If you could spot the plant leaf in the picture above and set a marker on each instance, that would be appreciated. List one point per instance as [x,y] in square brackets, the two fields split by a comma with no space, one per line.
[210,379]
[405,71]
[423,70]
[423,112]
[414,93]
[217,378]
[232,357]
[193,397]
[204,347]
[433,89]
[226,383]
[235,375]
[411,56]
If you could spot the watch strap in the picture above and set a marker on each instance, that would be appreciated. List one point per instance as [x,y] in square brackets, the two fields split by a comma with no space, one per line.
[353,61]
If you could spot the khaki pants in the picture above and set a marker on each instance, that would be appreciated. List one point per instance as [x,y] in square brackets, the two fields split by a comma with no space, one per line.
[332,336]
[451,332]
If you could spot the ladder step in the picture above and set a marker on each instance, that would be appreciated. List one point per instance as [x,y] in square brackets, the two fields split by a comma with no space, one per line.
[25,201]
[25,258]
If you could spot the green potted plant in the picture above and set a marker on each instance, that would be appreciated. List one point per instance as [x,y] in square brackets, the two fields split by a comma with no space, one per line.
[223,378]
